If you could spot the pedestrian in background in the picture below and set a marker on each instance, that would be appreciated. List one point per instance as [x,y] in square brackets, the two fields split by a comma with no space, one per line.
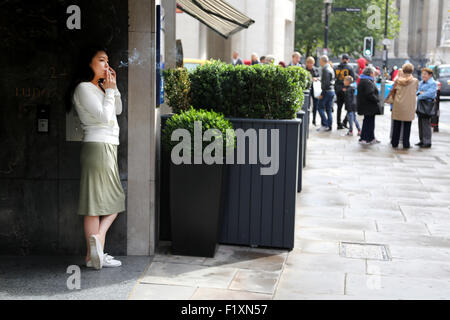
[254,59]
[236,60]
[262,60]
[404,106]
[342,71]
[368,102]
[390,100]
[296,57]
[362,63]
[327,96]
[314,71]
[426,93]
[350,105]
[270,59]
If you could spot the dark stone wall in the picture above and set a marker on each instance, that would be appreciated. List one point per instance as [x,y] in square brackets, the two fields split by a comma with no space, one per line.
[39,173]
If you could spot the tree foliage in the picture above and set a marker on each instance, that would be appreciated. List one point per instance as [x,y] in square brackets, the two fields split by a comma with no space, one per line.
[346,30]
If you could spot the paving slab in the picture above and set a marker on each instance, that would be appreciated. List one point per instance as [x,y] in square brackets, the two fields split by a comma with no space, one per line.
[329,234]
[396,288]
[331,212]
[248,259]
[189,275]
[145,291]
[419,253]
[332,223]
[426,214]
[410,240]
[415,269]
[294,283]
[380,214]
[324,263]
[406,227]
[222,294]
[255,281]
[316,246]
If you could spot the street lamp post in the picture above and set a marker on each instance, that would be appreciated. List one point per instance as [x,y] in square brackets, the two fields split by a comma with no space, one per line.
[327,10]
[385,53]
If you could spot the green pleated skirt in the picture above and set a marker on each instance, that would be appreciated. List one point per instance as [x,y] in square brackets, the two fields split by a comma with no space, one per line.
[101,192]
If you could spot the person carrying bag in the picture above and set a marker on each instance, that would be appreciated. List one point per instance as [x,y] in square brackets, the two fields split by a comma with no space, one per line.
[426,107]
[404,106]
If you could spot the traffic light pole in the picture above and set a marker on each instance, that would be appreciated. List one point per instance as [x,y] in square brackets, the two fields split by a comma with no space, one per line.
[385,59]
[327,8]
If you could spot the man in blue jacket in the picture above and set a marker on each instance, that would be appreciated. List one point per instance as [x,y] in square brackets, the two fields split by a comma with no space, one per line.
[427,91]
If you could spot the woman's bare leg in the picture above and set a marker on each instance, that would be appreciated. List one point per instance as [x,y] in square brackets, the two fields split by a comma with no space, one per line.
[105,224]
[91,227]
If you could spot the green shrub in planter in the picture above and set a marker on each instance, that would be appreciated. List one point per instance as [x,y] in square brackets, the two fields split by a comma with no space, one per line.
[177,87]
[259,91]
[210,120]
[305,78]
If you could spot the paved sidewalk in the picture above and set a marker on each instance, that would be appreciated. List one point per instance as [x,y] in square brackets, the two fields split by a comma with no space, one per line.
[397,201]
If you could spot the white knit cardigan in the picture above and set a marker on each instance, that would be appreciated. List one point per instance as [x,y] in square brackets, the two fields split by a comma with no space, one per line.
[98,112]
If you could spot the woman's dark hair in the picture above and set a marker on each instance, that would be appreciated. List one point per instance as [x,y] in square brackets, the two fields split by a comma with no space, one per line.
[82,72]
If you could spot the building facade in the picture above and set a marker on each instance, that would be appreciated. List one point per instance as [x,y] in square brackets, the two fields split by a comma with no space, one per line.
[272,33]
[422,29]
[40,170]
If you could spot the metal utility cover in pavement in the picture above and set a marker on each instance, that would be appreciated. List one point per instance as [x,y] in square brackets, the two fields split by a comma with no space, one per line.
[364,251]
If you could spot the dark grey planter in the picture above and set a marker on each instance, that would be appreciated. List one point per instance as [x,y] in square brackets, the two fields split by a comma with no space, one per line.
[307,120]
[195,208]
[301,150]
[258,210]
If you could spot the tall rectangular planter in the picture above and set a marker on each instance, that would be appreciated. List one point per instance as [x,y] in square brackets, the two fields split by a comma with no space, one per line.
[301,150]
[307,108]
[260,210]
[195,208]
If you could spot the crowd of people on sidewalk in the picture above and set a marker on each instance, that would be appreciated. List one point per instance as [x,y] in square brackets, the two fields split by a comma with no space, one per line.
[408,97]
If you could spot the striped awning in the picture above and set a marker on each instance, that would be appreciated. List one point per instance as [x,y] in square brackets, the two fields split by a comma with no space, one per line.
[216,14]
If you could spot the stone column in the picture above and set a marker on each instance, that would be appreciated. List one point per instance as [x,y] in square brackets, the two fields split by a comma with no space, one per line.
[170,7]
[431,25]
[141,129]
[404,31]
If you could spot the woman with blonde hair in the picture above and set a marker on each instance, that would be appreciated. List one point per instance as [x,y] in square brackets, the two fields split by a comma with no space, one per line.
[404,106]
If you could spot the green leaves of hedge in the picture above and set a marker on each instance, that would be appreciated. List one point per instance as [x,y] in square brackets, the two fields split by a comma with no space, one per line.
[258,92]
[209,119]
[177,87]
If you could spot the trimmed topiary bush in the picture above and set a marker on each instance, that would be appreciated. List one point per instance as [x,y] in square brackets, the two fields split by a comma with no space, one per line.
[259,91]
[177,87]
[305,78]
[209,120]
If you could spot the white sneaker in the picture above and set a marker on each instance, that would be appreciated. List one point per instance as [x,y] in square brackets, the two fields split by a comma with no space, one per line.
[322,129]
[110,262]
[96,252]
